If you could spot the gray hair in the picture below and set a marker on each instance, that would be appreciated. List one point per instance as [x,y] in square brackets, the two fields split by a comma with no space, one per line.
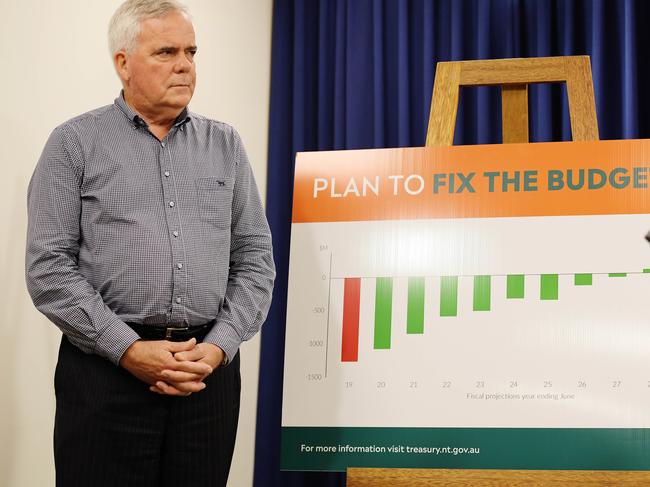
[124,26]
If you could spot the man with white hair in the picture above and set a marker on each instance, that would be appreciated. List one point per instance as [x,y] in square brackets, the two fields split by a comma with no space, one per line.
[148,247]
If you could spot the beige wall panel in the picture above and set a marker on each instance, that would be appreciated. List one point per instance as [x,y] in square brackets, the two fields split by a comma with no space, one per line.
[55,66]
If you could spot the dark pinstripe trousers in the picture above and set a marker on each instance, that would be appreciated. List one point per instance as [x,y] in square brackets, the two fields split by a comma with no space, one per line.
[110,430]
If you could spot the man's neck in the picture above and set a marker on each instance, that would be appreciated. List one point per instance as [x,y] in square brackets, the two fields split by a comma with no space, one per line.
[159,131]
[159,123]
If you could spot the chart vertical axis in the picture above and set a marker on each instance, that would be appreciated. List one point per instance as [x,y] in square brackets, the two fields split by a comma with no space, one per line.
[329,302]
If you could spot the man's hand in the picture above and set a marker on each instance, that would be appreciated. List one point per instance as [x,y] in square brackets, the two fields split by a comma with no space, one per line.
[176,380]
[153,361]
[206,353]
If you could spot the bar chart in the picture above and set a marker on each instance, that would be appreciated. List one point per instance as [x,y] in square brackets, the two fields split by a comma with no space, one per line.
[438,310]
[448,302]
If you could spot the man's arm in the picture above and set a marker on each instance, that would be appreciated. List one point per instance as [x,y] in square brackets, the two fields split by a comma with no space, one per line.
[64,295]
[251,275]
[54,282]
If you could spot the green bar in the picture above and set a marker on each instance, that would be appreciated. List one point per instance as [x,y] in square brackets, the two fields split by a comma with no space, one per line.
[448,295]
[482,293]
[646,271]
[548,286]
[617,274]
[515,286]
[583,279]
[415,311]
[383,312]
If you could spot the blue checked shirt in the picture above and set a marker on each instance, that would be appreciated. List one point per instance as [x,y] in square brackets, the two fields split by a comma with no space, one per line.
[126,228]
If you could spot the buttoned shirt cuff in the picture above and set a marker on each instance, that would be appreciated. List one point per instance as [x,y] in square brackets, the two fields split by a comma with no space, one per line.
[117,337]
[226,338]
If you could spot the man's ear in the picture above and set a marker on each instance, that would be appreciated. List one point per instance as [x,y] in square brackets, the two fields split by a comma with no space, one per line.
[120,60]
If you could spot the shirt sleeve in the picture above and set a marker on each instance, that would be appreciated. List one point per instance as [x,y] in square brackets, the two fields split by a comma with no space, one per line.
[252,271]
[56,286]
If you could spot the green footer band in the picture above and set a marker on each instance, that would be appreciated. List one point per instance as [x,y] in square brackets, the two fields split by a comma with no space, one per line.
[336,449]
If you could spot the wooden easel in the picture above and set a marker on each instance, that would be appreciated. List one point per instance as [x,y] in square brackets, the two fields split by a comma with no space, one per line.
[417,477]
[514,76]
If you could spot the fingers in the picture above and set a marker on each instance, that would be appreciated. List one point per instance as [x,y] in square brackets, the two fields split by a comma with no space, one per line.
[180,376]
[198,368]
[190,355]
[177,389]
[175,347]
[166,389]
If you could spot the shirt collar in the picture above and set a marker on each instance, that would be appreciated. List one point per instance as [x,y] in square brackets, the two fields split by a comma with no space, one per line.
[137,121]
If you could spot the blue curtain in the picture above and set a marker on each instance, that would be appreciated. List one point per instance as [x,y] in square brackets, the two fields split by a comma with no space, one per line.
[352,74]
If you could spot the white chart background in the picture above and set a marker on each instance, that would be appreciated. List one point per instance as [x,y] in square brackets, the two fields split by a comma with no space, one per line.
[580,361]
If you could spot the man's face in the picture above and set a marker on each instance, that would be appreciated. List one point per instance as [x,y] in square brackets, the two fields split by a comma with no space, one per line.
[159,73]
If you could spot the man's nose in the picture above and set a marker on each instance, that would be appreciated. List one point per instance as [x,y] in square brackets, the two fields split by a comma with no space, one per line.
[183,63]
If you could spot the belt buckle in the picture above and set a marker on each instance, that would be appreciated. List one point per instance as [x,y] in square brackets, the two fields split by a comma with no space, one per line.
[169,330]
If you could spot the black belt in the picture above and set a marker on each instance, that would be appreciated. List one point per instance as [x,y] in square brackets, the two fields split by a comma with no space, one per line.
[174,332]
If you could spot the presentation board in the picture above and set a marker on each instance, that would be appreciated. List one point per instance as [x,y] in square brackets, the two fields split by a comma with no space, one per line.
[470,307]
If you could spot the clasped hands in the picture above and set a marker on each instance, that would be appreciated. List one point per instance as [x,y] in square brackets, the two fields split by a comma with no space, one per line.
[172,368]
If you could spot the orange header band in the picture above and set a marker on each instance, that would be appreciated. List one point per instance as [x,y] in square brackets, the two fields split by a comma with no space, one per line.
[542,179]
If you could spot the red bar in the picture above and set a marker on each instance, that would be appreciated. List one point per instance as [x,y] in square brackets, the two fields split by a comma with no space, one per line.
[350,341]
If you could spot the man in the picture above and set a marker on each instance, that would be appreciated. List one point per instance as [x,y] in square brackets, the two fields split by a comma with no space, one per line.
[148,247]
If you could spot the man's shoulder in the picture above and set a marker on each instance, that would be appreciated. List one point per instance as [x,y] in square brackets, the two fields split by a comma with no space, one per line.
[87,119]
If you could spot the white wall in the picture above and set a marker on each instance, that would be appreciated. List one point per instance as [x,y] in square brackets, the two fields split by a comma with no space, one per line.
[55,65]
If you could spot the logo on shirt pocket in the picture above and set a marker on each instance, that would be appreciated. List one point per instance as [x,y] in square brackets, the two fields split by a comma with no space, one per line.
[215,200]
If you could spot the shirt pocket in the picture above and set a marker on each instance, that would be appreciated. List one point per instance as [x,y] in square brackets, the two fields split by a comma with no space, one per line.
[215,200]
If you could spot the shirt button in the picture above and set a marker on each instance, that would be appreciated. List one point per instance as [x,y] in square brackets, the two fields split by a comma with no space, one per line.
[179,265]
[163,144]
[171,204]
[166,174]
[175,234]
[178,300]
